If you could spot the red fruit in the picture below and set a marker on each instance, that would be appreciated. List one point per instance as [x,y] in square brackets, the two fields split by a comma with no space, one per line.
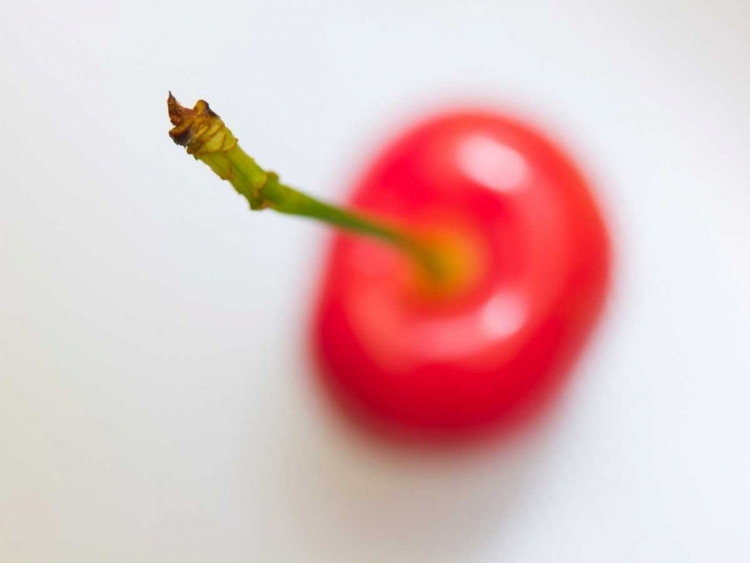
[533,263]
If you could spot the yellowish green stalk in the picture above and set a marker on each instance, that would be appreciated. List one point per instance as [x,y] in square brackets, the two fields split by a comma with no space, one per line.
[208,139]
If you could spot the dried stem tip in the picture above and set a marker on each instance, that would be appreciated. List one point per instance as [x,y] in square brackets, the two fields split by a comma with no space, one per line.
[199,129]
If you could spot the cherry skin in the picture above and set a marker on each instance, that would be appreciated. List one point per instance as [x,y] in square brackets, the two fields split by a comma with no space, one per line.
[534,263]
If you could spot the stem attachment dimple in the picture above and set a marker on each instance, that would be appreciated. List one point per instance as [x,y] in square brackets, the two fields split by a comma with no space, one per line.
[203,133]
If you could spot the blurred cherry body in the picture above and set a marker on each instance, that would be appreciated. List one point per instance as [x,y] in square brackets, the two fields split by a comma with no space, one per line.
[535,257]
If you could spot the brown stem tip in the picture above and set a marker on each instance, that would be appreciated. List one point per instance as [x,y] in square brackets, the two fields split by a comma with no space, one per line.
[188,123]
[177,113]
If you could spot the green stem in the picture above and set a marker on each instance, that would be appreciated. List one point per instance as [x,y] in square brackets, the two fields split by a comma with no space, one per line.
[209,140]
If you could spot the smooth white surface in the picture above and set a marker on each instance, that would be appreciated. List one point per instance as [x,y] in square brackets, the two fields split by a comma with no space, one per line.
[155,402]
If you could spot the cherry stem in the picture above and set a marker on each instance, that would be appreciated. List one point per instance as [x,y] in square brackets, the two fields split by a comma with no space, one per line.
[208,139]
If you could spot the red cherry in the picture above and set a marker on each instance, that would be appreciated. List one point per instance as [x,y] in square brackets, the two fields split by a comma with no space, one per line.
[534,268]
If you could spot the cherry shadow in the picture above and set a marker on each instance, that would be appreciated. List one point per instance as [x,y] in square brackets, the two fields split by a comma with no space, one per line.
[345,496]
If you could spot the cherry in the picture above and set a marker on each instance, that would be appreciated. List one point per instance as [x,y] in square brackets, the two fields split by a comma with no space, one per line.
[494,272]
[532,265]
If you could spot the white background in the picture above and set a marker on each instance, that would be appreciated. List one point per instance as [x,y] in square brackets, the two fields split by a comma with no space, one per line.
[155,389]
